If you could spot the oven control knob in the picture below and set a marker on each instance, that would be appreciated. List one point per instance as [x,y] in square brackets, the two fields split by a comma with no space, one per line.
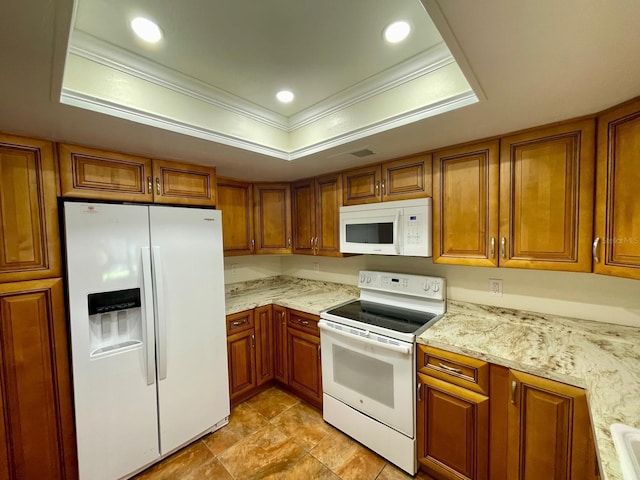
[436,287]
[362,277]
[427,287]
[368,279]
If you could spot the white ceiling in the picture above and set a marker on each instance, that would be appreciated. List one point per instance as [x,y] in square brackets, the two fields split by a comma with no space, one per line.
[536,62]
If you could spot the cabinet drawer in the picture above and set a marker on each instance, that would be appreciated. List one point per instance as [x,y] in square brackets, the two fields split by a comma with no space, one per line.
[454,368]
[239,322]
[304,322]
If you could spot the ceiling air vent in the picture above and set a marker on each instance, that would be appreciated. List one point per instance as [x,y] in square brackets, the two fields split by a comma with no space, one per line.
[365,152]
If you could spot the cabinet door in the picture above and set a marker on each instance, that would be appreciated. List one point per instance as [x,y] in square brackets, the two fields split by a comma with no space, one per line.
[36,426]
[362,185]
[264,344]
[272,215]
[406,178]
[304,216]
[304,366]
[546,198]
[452,430]
[617,200]
[184,184]
[280,344]
[30,246]
[235,200]
[91,173]
[327,209]
[465,205]
[548,430]
[242,360]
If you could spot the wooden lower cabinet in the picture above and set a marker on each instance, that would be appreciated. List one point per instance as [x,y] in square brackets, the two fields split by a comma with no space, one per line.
[280,368]
[305,375]
[264,342]
[548,430]
[36,420]
[241,352]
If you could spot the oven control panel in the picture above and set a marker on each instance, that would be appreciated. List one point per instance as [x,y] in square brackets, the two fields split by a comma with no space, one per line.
[414,285]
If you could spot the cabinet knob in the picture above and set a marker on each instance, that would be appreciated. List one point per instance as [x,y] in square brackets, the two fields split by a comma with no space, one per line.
[158,185]
[253,341]
[149,184]
[514,387]
[382,187]
[493,247]
[503,247]
[253,244]
[377,188]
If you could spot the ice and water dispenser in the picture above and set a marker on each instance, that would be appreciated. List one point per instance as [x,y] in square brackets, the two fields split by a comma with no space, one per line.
[115,321]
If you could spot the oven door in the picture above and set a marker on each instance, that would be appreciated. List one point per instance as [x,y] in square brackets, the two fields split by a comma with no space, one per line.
[371,373]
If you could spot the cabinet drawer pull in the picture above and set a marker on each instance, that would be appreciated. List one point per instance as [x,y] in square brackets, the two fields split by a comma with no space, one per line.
[493,247]
[253,341]
[383,187]
[503,247]
[514,387]
[594,251]
[237,323]
[303,322]
[253,244]
[419,391]
[377,188]
[149,185]
[289,242]
[319,347]
[158,185]
[451,369]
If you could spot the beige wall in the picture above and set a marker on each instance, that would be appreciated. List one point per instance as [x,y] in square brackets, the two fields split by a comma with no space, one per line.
[580,295]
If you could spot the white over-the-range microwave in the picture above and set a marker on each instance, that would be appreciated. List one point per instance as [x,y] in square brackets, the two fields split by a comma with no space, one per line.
[400,227]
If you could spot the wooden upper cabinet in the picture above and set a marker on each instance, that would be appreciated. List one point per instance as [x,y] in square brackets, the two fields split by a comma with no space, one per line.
[96,174]
[548,430]
[303,210]
[315,205]
[400,179]
[36,424]
[184,184]
[272,216]
[546,197]
[362,185]
[30,246]
[465,205]
[406,178]
[617,225]
[235,200]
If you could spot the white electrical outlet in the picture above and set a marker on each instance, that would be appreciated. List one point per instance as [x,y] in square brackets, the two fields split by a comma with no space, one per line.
[495,287]
[316,267]
[234,269]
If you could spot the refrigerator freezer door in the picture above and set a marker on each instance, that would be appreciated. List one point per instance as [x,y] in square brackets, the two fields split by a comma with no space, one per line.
[188,257]
[112,350]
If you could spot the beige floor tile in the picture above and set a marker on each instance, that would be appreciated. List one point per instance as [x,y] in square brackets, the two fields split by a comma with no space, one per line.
[334,449]
[272,402]
[268,451]
[363,464]
[244,420]
[190,463]
[309,469]
[304,424]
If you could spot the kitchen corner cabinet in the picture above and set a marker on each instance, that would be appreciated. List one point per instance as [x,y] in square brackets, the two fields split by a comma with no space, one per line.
[315,205]
[465,204]
[452,415]
[272,217]
[401,179]
[97,174]
[617,233]
[303,345]
[30,247]
[264,344]
[235,200]
[36,424]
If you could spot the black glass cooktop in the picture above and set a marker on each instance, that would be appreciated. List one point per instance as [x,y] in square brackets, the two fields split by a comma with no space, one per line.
[385,316]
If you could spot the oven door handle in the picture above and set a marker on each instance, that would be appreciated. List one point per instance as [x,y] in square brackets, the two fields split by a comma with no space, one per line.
[403,349]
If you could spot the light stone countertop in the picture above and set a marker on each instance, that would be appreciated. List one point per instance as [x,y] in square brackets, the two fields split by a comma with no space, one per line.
[602,358]
[308,296]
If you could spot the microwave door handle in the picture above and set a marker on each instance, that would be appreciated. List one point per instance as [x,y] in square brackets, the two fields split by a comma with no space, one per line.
[396,230]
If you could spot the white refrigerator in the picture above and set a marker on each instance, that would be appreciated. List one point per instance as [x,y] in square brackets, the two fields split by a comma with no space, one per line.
[148,334]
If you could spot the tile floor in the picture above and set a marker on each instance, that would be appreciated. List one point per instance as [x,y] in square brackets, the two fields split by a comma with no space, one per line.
[274,435]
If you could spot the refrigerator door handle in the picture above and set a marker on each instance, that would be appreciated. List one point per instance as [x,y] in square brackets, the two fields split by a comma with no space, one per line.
[149,341]
[160,312]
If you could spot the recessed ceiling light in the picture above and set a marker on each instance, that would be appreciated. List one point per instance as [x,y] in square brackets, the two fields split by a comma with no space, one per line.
[285,96]
[146,29]
[396,32]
